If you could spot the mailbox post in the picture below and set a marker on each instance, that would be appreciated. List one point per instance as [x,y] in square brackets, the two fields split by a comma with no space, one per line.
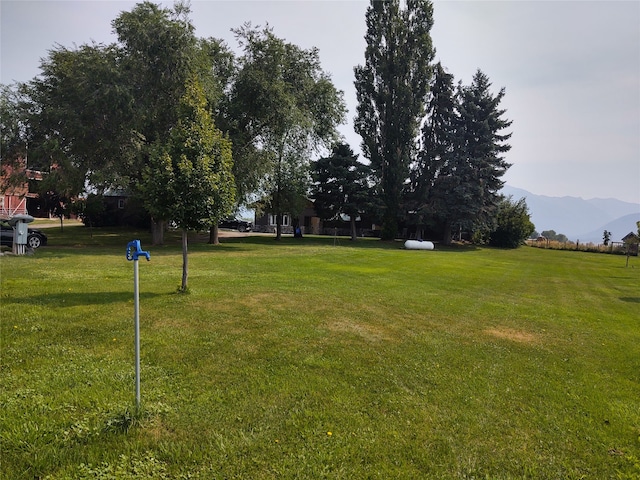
[134,250]
[20,232]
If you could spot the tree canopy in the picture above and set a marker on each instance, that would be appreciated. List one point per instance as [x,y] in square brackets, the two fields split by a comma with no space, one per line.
[512,223]
[284,107]
[78,113]
[432,175]
[391,89]
[456,179]
[341,186]
[120,116]
[189,179]
[12,125]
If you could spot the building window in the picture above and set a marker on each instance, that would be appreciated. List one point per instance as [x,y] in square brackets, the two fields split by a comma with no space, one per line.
[273,220]
[121,203]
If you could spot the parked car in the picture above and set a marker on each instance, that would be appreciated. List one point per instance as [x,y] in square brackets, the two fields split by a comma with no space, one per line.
[35,237]
[235,224]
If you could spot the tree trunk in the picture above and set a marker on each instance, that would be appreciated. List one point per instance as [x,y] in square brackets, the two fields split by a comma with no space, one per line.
[389,224]
[354,233]
[278,198]
[446,237]
[61,223]
[278,226]
[213,235]
[185,262]
[157,232]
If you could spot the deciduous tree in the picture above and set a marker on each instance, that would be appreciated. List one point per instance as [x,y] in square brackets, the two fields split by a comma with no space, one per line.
[13,135]
[98,109]
[552,235]
[391,89]
[284,108]
[189,179]
[81,110]
[159,53]
[13,138]
[512,223]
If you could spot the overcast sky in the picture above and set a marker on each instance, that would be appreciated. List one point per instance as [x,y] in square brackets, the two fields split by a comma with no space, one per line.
[571,69]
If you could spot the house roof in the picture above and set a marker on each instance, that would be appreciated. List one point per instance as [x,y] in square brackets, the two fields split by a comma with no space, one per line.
[631,238]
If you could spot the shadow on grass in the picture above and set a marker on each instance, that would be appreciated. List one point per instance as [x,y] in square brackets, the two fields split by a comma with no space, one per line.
[338,242]
[77,240]
[73,299]
[56,251]
[168,249]
[630,299]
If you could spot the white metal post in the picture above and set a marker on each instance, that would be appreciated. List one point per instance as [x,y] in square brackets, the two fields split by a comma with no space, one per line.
[137,328]
[134,250]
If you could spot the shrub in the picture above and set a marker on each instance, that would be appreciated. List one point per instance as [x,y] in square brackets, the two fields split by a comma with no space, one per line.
[513,224]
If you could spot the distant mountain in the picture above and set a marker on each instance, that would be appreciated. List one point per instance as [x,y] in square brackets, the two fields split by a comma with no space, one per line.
[618,228]
[579,219]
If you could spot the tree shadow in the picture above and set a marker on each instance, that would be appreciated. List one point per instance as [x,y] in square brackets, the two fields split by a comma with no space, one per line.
[338,242]
[198,242]
[630,299]
[73,299]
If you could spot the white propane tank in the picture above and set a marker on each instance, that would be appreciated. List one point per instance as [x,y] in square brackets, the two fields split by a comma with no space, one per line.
[418,245]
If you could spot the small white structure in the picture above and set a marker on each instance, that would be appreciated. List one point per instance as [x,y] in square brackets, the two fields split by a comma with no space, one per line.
[418,245]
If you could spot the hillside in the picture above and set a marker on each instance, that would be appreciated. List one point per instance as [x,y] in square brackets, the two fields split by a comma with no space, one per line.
[579,219]
[618,228]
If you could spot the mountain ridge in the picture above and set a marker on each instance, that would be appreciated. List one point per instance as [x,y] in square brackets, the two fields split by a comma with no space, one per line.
[577,218]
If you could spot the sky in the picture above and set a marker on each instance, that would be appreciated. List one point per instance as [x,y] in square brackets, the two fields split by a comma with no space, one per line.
[570,69]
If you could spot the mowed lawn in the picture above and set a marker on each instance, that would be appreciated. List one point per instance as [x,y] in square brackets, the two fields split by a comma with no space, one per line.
[315,358]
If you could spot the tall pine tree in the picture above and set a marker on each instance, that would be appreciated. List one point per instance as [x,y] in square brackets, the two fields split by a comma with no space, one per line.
[479,163]
[431,174]
[391,89]
[459,170]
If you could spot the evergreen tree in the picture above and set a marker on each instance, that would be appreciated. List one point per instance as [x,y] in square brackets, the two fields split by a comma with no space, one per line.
[432,174]
[391,89]
[479,164]
[341,186]
[457,176]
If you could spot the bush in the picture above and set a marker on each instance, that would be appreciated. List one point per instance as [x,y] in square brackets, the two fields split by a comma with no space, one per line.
[513,224]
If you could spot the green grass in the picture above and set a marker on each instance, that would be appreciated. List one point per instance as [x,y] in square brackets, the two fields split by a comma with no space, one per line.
[305,359]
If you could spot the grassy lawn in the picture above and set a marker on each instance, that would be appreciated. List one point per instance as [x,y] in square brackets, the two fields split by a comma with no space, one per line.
[318,359]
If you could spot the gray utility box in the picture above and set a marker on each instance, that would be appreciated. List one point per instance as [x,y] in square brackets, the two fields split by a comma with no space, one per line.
[20,224]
